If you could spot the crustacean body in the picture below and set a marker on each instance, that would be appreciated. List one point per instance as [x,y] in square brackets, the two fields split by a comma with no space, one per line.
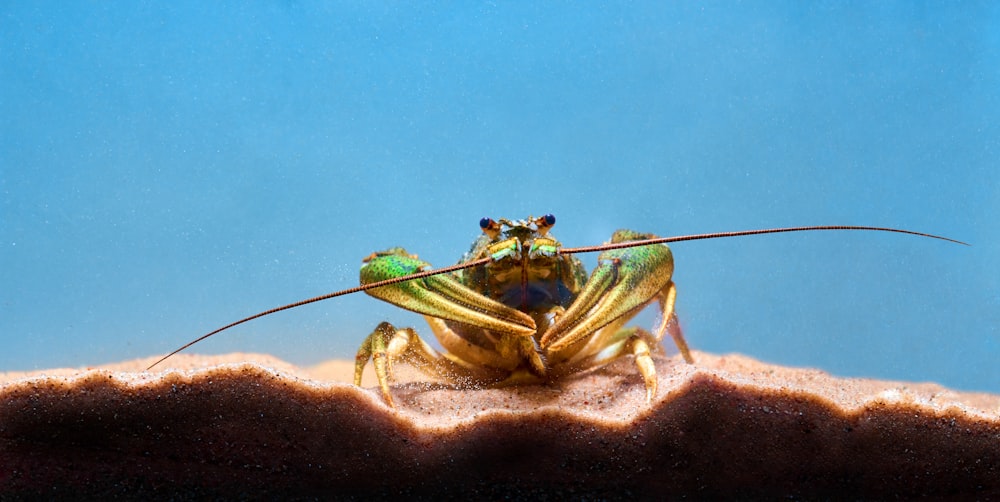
[520,308]
[529,314]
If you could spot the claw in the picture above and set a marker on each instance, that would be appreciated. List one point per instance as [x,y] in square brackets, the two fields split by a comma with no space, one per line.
[625,279]
[440,296]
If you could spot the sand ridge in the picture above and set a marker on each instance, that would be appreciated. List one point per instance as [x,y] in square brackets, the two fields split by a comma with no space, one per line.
[254,425]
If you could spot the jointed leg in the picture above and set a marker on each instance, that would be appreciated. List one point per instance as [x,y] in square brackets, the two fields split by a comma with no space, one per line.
[376,347]
[669,323]
[388,344]
[640,349]
[633,341]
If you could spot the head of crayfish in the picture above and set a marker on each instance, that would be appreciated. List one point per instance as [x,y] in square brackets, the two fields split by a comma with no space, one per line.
[526,270]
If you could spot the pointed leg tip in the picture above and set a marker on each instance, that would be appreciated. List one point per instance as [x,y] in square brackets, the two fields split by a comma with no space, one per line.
[388,400]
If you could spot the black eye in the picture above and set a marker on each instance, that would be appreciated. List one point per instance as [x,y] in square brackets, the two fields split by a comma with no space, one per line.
[485,223]
[549,219]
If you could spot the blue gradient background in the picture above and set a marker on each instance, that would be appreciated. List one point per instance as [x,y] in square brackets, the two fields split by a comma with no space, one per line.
[168,168]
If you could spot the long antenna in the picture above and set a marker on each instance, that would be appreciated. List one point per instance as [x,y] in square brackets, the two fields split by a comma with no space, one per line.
[717,235]
[356,289]
[584,249]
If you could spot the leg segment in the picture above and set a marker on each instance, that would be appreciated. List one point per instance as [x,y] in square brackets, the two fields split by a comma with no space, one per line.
[669,322]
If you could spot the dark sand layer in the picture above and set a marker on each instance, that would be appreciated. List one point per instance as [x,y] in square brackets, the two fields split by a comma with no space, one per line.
[728,426]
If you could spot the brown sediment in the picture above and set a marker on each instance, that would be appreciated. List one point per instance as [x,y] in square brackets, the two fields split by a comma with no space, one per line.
[727,426]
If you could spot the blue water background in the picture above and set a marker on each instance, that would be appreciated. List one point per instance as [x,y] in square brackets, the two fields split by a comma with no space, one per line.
[169,167]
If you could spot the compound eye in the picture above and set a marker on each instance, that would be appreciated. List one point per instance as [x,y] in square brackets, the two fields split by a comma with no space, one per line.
[549,219]
[486,223]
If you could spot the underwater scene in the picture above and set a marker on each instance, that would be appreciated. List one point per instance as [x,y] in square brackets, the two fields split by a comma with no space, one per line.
[169,168]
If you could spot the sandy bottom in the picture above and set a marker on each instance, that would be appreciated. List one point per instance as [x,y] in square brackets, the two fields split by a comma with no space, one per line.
[251,426]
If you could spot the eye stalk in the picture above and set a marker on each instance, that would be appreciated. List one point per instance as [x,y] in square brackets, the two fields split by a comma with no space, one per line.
[544,223]
[490,227]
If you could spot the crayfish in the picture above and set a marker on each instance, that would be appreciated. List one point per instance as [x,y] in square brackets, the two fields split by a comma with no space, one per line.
[519,308]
